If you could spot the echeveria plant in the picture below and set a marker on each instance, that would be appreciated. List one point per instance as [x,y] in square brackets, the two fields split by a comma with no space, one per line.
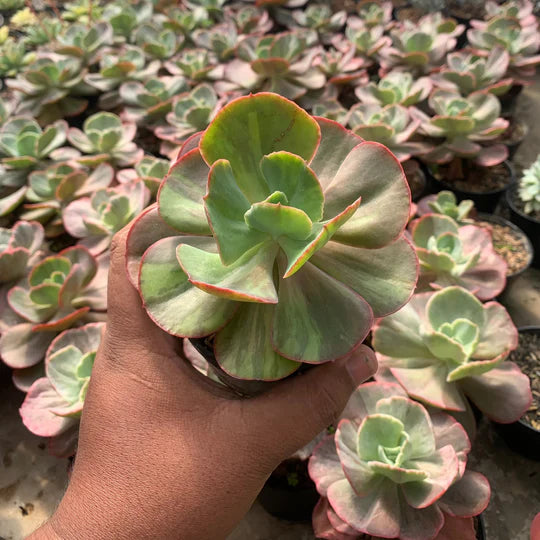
[281,252]
[95,219]
[85,42]
[392,470]
[375,13]
[445,203]
[196,65]
[529,188]
[105,138]
[392,126]
[367,40]
[54,403]
[280,63]
[221,39]
[59,291]
[396,88]
[19,246]
[522,10]
[341,66]
[445,347]
[250,20]
[125,18]
[14,57]
[466,72]
[158,43]
[331,109]
[151,170]
[453,255]
[467,126]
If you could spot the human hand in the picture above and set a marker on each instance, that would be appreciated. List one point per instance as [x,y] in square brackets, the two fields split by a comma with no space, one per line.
[165,452]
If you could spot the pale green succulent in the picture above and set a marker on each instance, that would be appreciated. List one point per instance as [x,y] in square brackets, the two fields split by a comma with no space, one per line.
[82,11]
[14,57]
[445,203]
[529,188]
[125,18]
[85,42]
[45,32]
[23,18]
[156,42]
[151,170]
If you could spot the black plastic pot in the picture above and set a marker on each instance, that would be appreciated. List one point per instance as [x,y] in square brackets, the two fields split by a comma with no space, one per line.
[529,225]
[288,502]
[509,100]
[520,436]
[480,528]
[492,218]
[483,202]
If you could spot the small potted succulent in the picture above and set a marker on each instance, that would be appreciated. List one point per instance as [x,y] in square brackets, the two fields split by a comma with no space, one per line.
[466,159]
[244,234]
[446,348]
[524,203]
[523,436]
[393,470]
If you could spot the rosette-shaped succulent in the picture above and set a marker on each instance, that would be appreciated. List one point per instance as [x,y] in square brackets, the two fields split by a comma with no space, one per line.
[59,291]
[14,57]
[375,13]
[444,347]
[453,255]
[97,218]
[106,139]
[331,109]
[368,40]
[156,42]
[18,247]
[445,203]
[191,112]
[522,44]
[51,88]
[195,64]
[466,73]
[148,103]
[280,63]
[48,29]
[125,18]
[186,21]
[422,46]
[342,66]
[290,261]
[391,470]
[51,189]
[522,10]
[467,125]
[54,403]
[26,145]
[250,20]
[392,126]
[151,170]
[85,42]
[221,40]
[317,17]
[82,11]
[529,188]
[396,88]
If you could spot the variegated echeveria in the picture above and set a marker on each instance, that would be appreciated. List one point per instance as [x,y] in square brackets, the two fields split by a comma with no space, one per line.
[454,255]
[221,40]
[95,219]
[14,57]
[60,290]
[522,10]
[395,88]
[250,20]
[392,470]
[367,40]
[157,42]
[466,72]
[125,19]
[331,109]
[342,66]
[467,127]
[446,347]
[280,63]
[148,103]
[445,203]
[85,42]
[375,13]
[19,247]
[53,404]
[151,170]
[529,188]
[196,65]
[392,126]
[271,199]
[191,112]
[105,138]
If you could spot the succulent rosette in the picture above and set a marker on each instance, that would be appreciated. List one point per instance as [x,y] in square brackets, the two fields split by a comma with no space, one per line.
[19,247]
[375,13]
[392,470]
[522,10]
[151,170]
[392,126]
[196,65]
[466,72]
[396,88]
[221,40]
[269,229]
[85,42]
[14,57]
[445,203]
[250,20]
[446,346]
[454,255]
[124,18]
[54,403]
[157,43]
[342,66]
[466,125]
[97,218]
[331,109]
[60,290]
[280,63]
[529,188]
[105,138]
[367,40]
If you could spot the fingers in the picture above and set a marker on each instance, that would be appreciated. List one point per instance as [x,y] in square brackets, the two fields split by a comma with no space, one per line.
[297,410]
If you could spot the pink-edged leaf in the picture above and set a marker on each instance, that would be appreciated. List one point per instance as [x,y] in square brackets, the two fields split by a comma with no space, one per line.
[24,378]
[61,321]
[12,201]
[448,431]
[455,528]
[498,335]
[324,465]
[20,347]
[322,526]
[492,155]
[419,524]
[468,497]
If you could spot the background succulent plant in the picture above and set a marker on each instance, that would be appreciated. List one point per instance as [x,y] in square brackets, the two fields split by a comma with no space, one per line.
[150,170]
[445,203]
[453,255]
[85,42]
[197,65]
[445,347]
[277,203]
[221,40]
[14,57]
[529,188]
[367,40]
[392,470]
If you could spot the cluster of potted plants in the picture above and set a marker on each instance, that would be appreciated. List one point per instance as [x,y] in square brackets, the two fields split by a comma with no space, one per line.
[264,154]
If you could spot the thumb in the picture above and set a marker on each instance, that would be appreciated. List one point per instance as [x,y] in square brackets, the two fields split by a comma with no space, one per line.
[297,410]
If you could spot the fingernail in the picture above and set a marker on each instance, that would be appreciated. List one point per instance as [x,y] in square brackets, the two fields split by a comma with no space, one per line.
[361,365]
